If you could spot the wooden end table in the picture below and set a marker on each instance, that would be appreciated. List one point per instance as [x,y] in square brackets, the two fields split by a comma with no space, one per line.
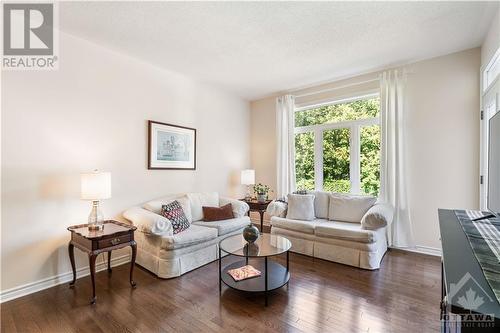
[114,236]
[257,206]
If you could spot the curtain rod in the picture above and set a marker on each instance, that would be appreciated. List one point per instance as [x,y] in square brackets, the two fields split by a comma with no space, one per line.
[335,88]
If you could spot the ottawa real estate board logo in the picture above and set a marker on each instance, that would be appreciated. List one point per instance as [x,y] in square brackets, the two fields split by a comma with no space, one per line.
[29,36]
[475,302]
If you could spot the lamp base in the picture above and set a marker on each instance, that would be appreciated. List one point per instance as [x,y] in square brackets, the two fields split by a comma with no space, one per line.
[96,227]
[96,218]
[248,196]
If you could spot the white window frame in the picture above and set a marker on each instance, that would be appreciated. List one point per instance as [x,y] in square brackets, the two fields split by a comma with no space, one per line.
[491,72]
[489,105]
[354,141]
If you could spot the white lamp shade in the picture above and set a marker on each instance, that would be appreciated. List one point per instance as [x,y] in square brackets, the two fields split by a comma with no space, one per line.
[248,177]
[96,185]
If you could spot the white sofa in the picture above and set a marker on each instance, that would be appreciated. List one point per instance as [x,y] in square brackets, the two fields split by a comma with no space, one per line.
[168,255]
[359,240]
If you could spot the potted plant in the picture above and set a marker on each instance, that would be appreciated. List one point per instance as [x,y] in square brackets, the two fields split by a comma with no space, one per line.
[262,191]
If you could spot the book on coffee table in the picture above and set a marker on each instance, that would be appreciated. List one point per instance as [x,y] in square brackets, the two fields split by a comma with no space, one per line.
[243,273]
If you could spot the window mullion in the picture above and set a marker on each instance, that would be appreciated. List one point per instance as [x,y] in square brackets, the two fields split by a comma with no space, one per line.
[354,165]
[318,159]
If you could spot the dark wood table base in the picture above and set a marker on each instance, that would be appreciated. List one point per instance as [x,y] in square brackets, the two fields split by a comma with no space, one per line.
[260,207]
[118,235]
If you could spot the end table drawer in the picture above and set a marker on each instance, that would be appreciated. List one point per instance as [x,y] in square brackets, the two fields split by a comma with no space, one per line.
[108,242]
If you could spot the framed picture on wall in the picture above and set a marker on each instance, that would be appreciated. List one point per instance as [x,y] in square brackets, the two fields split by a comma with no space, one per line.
[171,146]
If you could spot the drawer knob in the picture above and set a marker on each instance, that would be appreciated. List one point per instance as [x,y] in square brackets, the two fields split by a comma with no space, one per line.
[115,241]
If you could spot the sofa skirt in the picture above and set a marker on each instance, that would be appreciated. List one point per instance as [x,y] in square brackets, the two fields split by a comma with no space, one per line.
[362,255]
[168,264]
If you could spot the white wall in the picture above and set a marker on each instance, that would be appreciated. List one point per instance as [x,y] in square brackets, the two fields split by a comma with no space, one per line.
[92,113]
[492,40]
[263,142]
[443,138]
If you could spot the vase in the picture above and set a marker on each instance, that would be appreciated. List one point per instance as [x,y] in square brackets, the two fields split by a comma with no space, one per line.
[251,233]
[261,197]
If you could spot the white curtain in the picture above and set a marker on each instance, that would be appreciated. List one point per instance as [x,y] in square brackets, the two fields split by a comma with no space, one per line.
[285,161]
[393,177]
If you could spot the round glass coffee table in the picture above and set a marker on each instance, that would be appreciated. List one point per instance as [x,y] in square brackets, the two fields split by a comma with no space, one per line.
[273,275]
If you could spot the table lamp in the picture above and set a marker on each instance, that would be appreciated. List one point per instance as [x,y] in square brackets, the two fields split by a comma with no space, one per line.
[96,186]
[248,178]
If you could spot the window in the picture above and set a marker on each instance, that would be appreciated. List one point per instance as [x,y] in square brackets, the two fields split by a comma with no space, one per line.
[304,160]
[336,160]
[337,146]
[491,71]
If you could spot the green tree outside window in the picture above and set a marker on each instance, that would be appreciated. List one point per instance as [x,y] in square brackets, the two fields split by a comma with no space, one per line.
[336,147]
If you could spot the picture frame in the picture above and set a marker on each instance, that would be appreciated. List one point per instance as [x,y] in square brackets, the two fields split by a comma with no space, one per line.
[171,147]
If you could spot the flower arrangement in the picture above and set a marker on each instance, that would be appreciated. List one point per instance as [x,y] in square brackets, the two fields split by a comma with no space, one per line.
[261,189]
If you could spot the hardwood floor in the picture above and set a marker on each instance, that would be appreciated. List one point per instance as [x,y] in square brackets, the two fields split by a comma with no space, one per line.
[403,296]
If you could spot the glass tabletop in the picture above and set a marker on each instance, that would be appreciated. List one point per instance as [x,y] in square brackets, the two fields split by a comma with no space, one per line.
[266,245]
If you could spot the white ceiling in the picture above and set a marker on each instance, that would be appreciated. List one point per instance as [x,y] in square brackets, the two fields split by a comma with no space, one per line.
[255,49]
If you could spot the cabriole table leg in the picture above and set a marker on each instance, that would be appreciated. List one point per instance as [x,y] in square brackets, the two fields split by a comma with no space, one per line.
[71,251]
[92,258]
[132,263]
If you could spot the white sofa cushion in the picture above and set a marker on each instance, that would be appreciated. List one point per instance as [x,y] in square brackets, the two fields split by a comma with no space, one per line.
[300,207]
[346,231]
[194,235]
[321,203]
[348,207]
[306,227]
[224,227]
[240,208]
[277,208]
[198,200]
[149,222]
[379,216]
[155,205]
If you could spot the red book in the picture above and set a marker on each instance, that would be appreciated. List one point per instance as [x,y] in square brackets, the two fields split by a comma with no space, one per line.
[243,273]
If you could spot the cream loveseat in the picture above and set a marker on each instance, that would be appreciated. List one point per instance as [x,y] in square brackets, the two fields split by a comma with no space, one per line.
[343,228]
[168,255]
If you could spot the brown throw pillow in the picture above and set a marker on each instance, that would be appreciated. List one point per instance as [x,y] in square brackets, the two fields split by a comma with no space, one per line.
[218,213]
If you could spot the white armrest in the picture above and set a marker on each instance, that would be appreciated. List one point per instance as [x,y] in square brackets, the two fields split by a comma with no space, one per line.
[149,222]
[277,208]
[379,216]
[240,208]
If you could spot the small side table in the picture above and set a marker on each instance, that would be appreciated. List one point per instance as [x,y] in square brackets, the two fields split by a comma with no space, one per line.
[256,206]
[114,236]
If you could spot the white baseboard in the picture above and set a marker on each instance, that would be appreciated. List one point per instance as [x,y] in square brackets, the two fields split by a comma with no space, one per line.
[33,287]
[432,251]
